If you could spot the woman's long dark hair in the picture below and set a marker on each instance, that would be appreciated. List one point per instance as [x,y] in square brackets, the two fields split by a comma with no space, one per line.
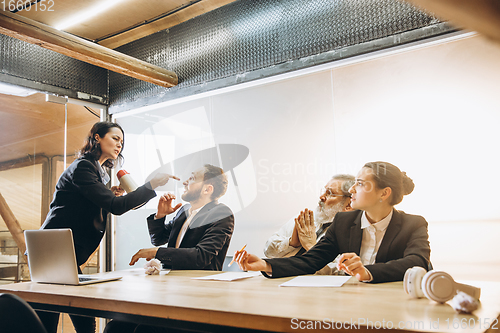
[93,149]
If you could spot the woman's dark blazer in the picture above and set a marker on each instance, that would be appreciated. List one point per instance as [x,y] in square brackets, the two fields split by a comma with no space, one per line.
[81,202]
[405,244]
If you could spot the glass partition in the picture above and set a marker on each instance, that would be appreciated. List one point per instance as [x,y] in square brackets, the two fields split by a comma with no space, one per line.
[433,111]
[266,140]
[32,150]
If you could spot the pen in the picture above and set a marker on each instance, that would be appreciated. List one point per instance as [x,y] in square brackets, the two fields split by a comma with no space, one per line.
[340,263]
[233,258]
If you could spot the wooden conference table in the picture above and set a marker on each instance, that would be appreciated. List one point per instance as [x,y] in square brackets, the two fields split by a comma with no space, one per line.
[257,303]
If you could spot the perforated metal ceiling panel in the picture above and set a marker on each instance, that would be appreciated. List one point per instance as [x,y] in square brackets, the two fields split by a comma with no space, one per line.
[252,35]
[37,68]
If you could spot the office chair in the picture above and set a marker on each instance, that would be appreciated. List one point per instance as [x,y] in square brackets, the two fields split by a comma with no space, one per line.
[17,316]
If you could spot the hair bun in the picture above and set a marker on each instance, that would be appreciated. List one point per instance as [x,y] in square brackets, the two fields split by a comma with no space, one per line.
[408,184]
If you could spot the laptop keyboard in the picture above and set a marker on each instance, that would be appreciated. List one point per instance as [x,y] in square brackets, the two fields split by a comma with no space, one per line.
[83,279]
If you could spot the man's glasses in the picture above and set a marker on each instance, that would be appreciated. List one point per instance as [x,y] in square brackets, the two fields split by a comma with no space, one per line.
[329,193]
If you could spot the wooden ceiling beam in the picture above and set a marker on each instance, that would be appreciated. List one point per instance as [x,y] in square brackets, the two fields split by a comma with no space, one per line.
[47,37]
[163,23]
[482,16]
[13,226]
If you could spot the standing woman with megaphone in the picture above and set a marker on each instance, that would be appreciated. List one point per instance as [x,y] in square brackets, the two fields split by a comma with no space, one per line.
[82,202]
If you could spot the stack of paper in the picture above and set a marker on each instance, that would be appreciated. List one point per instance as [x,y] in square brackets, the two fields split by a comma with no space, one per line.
[317,281]
[228,276]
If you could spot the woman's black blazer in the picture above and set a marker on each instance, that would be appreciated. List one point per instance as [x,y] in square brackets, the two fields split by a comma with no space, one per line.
[81,202]
[405,244]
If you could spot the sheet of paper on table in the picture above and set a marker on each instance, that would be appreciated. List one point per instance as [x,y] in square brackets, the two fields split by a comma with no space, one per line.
[229,276]
[142,271]
[317,281]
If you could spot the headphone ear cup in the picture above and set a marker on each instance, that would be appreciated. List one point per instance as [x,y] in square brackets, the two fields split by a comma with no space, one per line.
[438,286]
[412,281]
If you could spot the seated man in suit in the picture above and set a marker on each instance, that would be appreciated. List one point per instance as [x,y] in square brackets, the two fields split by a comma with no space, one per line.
[199,234]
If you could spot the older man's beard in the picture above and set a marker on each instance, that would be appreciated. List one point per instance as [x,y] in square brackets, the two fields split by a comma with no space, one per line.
[324,214]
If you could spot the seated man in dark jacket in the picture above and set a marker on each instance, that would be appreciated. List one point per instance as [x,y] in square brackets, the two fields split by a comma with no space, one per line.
[199,234]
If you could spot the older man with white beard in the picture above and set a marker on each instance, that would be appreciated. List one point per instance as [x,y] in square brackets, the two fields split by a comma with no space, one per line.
[299,234]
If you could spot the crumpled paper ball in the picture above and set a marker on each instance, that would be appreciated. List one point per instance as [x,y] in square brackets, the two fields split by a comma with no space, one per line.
[153,267]
[464,303]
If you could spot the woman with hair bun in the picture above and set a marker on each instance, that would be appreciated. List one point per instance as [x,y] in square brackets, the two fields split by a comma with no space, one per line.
[377,243]
[82,202]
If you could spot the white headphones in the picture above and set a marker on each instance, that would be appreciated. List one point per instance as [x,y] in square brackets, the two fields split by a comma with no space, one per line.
[437,286]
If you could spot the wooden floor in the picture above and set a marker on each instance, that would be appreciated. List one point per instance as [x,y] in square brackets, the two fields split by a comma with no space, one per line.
[66,326]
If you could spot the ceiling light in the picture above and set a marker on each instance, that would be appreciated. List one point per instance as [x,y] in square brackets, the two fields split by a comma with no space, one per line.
[87,14]
[9,89]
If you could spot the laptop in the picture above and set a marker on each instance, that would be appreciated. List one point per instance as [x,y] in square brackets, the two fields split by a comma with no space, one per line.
[51,258]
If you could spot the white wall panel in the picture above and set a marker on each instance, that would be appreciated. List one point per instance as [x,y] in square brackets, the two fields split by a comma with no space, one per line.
[434,112]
